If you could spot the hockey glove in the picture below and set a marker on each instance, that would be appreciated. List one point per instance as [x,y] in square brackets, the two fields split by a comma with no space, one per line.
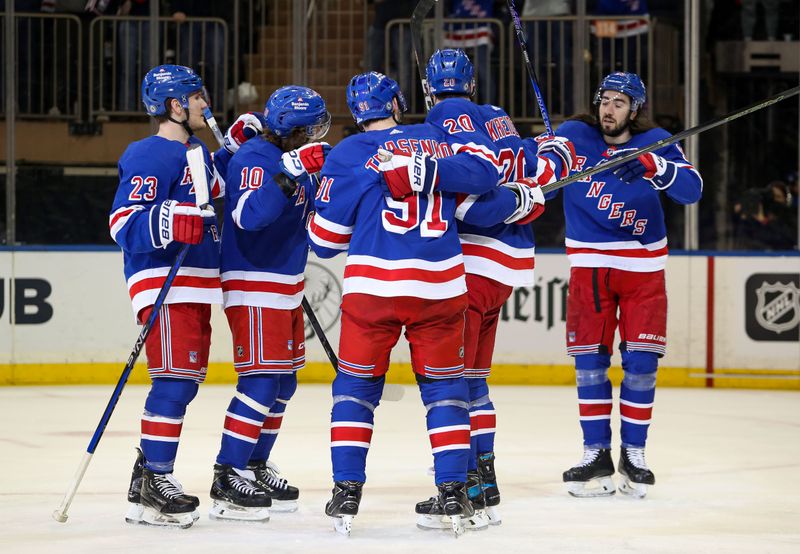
[179,222]
[406,175]
[287,185]
[304,161]
[530,201]
[562,148]
[659,171]
[247,126]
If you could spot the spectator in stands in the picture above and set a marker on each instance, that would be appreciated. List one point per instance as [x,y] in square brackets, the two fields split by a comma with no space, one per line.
[201,44]
[476,40]
[551,55]
[761,220]
[133,49]
[401,65]
[749,17]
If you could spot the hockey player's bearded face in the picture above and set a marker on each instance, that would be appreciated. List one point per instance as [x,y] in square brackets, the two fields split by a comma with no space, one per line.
[614,113]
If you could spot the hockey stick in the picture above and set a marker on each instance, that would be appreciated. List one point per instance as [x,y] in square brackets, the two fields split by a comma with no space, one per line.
[394,393]
[201,199]
[212,124]
[617,161]
[417,17]
[523,46]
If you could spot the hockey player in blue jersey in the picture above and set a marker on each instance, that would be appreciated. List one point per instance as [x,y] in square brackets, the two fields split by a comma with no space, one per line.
[497,258]
[617,247]
[153,212]
[404,271]
[264,253]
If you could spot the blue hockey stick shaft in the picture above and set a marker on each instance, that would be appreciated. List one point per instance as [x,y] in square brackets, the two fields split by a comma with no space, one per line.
[523,46]
[60,514]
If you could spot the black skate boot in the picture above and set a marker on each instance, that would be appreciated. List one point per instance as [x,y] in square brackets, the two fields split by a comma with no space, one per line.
[455,504]
[283,495]
[237,496]
[637,476]
[164,501]
[430,513]
[489,485]
[592,475]
[343,506]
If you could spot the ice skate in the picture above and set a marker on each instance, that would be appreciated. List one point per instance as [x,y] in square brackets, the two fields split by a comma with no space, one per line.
[343,506]
[135,508]
[430,515]
[634,470]
[283,495]
[455,505]
[489,486]
[592,475]
[163,502]
[237,496]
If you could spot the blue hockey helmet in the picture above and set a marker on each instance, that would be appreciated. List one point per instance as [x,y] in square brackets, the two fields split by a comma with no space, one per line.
[449,70]
[369,96]
[627,83]
[293,107]
[169,81]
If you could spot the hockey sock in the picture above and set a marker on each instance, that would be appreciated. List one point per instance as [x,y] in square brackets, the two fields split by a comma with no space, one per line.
[162,421]
[482,420]
[636,396]
[245,418]
[354,402]
[594,398]
[272,423]
[447,403]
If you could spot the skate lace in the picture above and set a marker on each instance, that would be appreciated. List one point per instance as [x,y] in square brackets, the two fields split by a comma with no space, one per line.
[271,473]
[168,486]
[243,485]
[589,456]
[636,457]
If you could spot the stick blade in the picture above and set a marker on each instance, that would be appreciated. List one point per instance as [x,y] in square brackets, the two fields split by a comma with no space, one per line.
[197,167]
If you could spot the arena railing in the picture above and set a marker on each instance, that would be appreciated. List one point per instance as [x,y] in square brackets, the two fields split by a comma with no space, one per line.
[49,69]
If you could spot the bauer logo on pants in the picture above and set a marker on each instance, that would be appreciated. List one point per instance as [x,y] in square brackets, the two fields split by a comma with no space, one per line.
[772,305]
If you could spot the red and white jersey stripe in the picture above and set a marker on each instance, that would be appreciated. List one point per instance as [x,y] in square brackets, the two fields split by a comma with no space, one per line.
[329,234]
[119,218]
[262,289]
[482,422]
[242,428]
[497,260]
[192,285]
[632,412]
[628,255]
[594,409]
[406,277]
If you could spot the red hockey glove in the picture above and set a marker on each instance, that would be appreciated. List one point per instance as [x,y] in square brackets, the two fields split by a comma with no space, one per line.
[406,175]
[181,223]
[530,201]
[659,171]
[560,147]
[243,129]
[306,160]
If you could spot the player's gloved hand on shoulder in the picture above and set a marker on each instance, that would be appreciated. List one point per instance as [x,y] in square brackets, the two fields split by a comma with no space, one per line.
[530,201]
[659,171]
[561,147]
[304,161]
[180,222]
[245,127]
[404,174]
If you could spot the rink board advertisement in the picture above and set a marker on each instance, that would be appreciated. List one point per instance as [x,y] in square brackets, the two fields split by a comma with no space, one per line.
[65,317]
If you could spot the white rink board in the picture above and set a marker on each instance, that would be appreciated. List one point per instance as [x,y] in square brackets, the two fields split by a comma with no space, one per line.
[92,320]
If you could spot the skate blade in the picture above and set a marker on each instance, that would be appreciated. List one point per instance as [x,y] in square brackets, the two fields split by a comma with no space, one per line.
[634,490]
[603,486]
[221,510]
[343,524]
[457,525]
[493,515]
[149,516]
[435,522]
[284,506]
[479,521]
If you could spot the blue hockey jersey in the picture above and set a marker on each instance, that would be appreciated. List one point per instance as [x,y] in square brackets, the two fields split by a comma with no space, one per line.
[264,246]
[403,247]
[611,223]
[501,252]
[152,171]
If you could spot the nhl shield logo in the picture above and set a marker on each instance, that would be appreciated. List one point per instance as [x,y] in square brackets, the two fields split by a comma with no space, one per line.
[778,306]
[772,307]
